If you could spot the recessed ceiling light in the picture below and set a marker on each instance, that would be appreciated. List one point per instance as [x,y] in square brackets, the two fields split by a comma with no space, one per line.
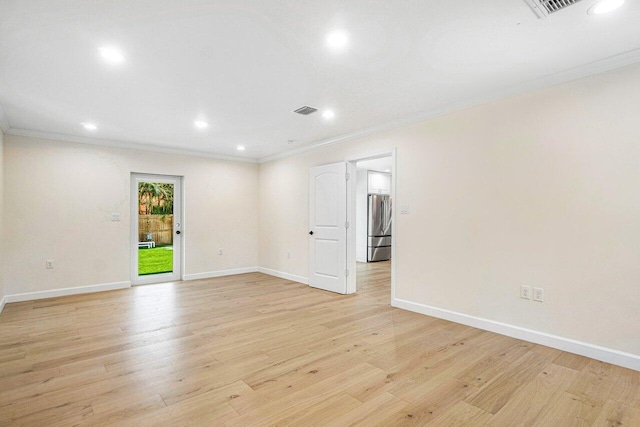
[241,148]
[111,54]
[328,114]
[201,124]
[605,6]
[89,126]
[337,40]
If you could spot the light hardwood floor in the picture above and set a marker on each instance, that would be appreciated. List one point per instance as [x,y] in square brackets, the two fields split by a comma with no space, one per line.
[258,350]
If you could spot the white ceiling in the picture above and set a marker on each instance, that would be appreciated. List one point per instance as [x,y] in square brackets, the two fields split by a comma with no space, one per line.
[244,65]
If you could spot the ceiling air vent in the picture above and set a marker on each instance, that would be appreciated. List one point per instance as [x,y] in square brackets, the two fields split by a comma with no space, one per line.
[306,110]
[544,8]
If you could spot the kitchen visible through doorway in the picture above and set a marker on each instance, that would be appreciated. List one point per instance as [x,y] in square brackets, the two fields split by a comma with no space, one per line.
[374,223]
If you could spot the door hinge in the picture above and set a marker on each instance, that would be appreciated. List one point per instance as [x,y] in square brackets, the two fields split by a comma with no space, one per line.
[347,176]
[346,224]
[346,273]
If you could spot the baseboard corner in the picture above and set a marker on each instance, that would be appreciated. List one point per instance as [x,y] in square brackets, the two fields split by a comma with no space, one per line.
[283,275]
[219,273]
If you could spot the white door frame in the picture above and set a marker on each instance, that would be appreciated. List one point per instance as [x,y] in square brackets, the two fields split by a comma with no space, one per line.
[178,267]
[351,214]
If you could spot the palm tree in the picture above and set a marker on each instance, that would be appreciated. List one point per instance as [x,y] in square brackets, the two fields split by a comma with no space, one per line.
[156,197]
[146,193]
[165,199]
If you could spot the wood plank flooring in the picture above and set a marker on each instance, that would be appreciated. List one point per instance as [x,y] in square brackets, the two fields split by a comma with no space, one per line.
[257,350]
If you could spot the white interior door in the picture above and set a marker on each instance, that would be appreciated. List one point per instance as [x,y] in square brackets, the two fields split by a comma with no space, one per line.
[328,227]
[156,229]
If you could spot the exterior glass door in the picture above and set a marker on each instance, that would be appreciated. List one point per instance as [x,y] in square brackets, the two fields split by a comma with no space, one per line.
[156,228]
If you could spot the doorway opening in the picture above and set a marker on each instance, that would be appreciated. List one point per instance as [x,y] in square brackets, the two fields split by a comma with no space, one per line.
[339,220]
[373,224]
[156,227]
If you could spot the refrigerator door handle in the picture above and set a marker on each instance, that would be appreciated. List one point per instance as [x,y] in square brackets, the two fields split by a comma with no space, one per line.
[387,216]
[385,202]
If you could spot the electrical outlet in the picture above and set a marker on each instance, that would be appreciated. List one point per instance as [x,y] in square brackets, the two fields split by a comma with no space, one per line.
[404,210]
[288,255]
[220,251]
[115,217]
[49,264]
[525,292]
[538,294]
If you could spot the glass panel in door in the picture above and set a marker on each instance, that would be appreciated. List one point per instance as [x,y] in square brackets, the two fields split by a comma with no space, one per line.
[155,227]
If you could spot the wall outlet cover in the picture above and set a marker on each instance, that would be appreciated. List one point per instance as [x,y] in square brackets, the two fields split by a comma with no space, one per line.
[525,292]
[538,294]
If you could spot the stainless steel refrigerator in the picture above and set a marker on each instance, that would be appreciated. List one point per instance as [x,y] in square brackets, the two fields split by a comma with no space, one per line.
[379,228]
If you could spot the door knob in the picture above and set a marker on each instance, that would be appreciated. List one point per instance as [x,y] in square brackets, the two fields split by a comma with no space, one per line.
[178,232]
[311,233]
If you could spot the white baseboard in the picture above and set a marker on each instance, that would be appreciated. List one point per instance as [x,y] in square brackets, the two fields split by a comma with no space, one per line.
[282,275]
[604,354]
[3,301]
[220,273]
[30,296]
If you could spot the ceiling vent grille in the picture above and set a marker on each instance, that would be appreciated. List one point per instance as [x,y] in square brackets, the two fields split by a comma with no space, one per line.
[544,8]
[306,110]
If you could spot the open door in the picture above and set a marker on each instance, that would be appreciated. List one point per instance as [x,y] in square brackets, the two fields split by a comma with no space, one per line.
[156,229]
[328,227]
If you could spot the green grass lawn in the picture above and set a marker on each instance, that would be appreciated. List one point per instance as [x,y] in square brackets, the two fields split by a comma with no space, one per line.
[155,261]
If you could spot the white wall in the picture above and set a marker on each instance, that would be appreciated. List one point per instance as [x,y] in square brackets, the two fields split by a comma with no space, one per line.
[540,189]
[60,197]
[2,293]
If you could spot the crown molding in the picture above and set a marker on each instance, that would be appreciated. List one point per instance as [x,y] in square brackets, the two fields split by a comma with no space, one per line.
[565,76]
[593,68]
[124,144]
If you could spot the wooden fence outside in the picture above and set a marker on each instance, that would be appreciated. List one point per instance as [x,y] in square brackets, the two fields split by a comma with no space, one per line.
[159,226]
